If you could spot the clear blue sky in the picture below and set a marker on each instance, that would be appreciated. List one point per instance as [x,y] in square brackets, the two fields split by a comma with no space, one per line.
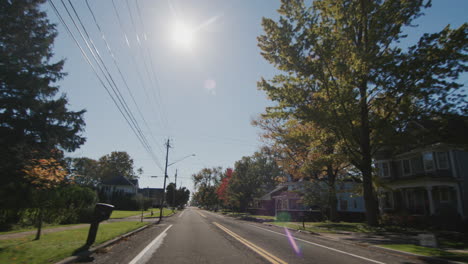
[207,95]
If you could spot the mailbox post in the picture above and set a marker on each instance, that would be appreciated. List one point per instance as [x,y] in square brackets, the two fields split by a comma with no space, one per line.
[102,212]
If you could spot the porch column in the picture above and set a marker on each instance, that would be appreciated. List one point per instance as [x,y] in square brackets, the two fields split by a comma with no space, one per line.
[431,201]
[459,200]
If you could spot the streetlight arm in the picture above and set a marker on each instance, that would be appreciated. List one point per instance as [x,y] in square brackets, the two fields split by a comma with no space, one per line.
[192,155]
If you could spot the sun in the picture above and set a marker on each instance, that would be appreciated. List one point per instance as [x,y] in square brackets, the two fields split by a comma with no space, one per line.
[182,35]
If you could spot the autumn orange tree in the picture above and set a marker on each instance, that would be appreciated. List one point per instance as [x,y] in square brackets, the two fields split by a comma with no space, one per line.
[44,175]
[305,151]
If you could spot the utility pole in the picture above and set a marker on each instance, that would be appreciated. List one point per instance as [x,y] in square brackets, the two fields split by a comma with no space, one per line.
[168,145]
[175,189]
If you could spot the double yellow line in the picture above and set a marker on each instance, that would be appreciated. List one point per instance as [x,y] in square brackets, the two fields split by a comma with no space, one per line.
[267,255]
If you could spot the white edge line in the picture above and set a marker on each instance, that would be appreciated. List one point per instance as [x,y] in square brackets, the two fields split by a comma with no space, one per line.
[143,252]
[181,214]
[318,245]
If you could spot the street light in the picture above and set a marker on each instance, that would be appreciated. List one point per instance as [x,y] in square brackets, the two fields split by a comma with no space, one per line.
[192,155]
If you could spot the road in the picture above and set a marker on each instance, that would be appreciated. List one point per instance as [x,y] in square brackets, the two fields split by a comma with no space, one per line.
[198,236]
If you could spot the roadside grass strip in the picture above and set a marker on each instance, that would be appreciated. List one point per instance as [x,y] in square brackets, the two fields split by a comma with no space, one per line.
[265,254]
[123,214]
[55,246]
[166,212]
[430,252]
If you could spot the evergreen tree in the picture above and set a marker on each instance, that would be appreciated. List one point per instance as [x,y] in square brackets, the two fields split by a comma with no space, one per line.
[34,118]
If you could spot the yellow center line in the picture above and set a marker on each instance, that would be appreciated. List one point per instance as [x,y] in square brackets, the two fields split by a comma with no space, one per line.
[201,214]
[267,255]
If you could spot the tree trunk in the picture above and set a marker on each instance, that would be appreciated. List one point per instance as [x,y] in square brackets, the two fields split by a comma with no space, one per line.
[332,201]
[39,225]
[370,201]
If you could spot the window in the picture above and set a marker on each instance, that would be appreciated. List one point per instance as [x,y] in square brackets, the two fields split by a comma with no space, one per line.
[355,203]
[416,165]
[442,160]
[428,160]
[387,200]
[444,195]
[383,169]
[406,167]
[343,205]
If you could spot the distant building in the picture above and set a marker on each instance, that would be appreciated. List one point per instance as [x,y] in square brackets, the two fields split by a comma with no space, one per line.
[423,180]
[287,198]
[155,194]
[119,184]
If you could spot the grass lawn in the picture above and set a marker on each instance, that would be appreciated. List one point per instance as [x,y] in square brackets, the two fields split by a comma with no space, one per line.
[33,229]
[56,246]
[166,212]
[327,227]
[269,217]
[431,252]
[123,214]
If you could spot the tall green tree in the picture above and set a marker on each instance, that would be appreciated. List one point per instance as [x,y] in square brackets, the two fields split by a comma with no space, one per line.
[118,163]
[177,197]
[85,171]
[206,182]
[344,70]
[34,117]
[253,176]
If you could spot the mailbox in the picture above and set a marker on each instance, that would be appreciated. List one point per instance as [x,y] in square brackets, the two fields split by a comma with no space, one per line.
[102,211]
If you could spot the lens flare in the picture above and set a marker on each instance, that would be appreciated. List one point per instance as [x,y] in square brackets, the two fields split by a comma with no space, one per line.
[292,242]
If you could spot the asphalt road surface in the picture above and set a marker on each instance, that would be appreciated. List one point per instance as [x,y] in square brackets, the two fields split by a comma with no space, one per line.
[198,236]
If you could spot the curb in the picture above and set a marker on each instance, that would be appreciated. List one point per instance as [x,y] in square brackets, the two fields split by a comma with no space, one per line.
[82,254]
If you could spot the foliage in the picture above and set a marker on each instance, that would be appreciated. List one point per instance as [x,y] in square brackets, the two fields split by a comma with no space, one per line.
[344,71]
[253,176]
[177,197]
[34,118]
[221,192]
[44,173]
[206,183]
[117,163]
[85,171]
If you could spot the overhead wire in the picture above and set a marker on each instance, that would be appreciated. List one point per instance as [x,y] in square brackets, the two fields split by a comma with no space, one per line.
[150,58]
[153,78]
[143,84]
[115,88]
[120,72]
[140,137]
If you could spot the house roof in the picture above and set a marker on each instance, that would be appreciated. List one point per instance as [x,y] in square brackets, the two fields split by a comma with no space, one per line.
[268,196]
[120,181]
[288,195]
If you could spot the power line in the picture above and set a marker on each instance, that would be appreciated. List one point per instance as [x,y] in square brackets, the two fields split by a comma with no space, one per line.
[153,79]
[142,140]
[114,87]
[119,71]
[143,84]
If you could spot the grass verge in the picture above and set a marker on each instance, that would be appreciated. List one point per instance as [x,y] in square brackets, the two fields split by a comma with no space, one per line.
[26,229]
[123,214]
[430,252]
[56,246]
[166,212]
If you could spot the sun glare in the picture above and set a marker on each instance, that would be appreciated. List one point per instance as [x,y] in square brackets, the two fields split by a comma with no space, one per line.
[183,35]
